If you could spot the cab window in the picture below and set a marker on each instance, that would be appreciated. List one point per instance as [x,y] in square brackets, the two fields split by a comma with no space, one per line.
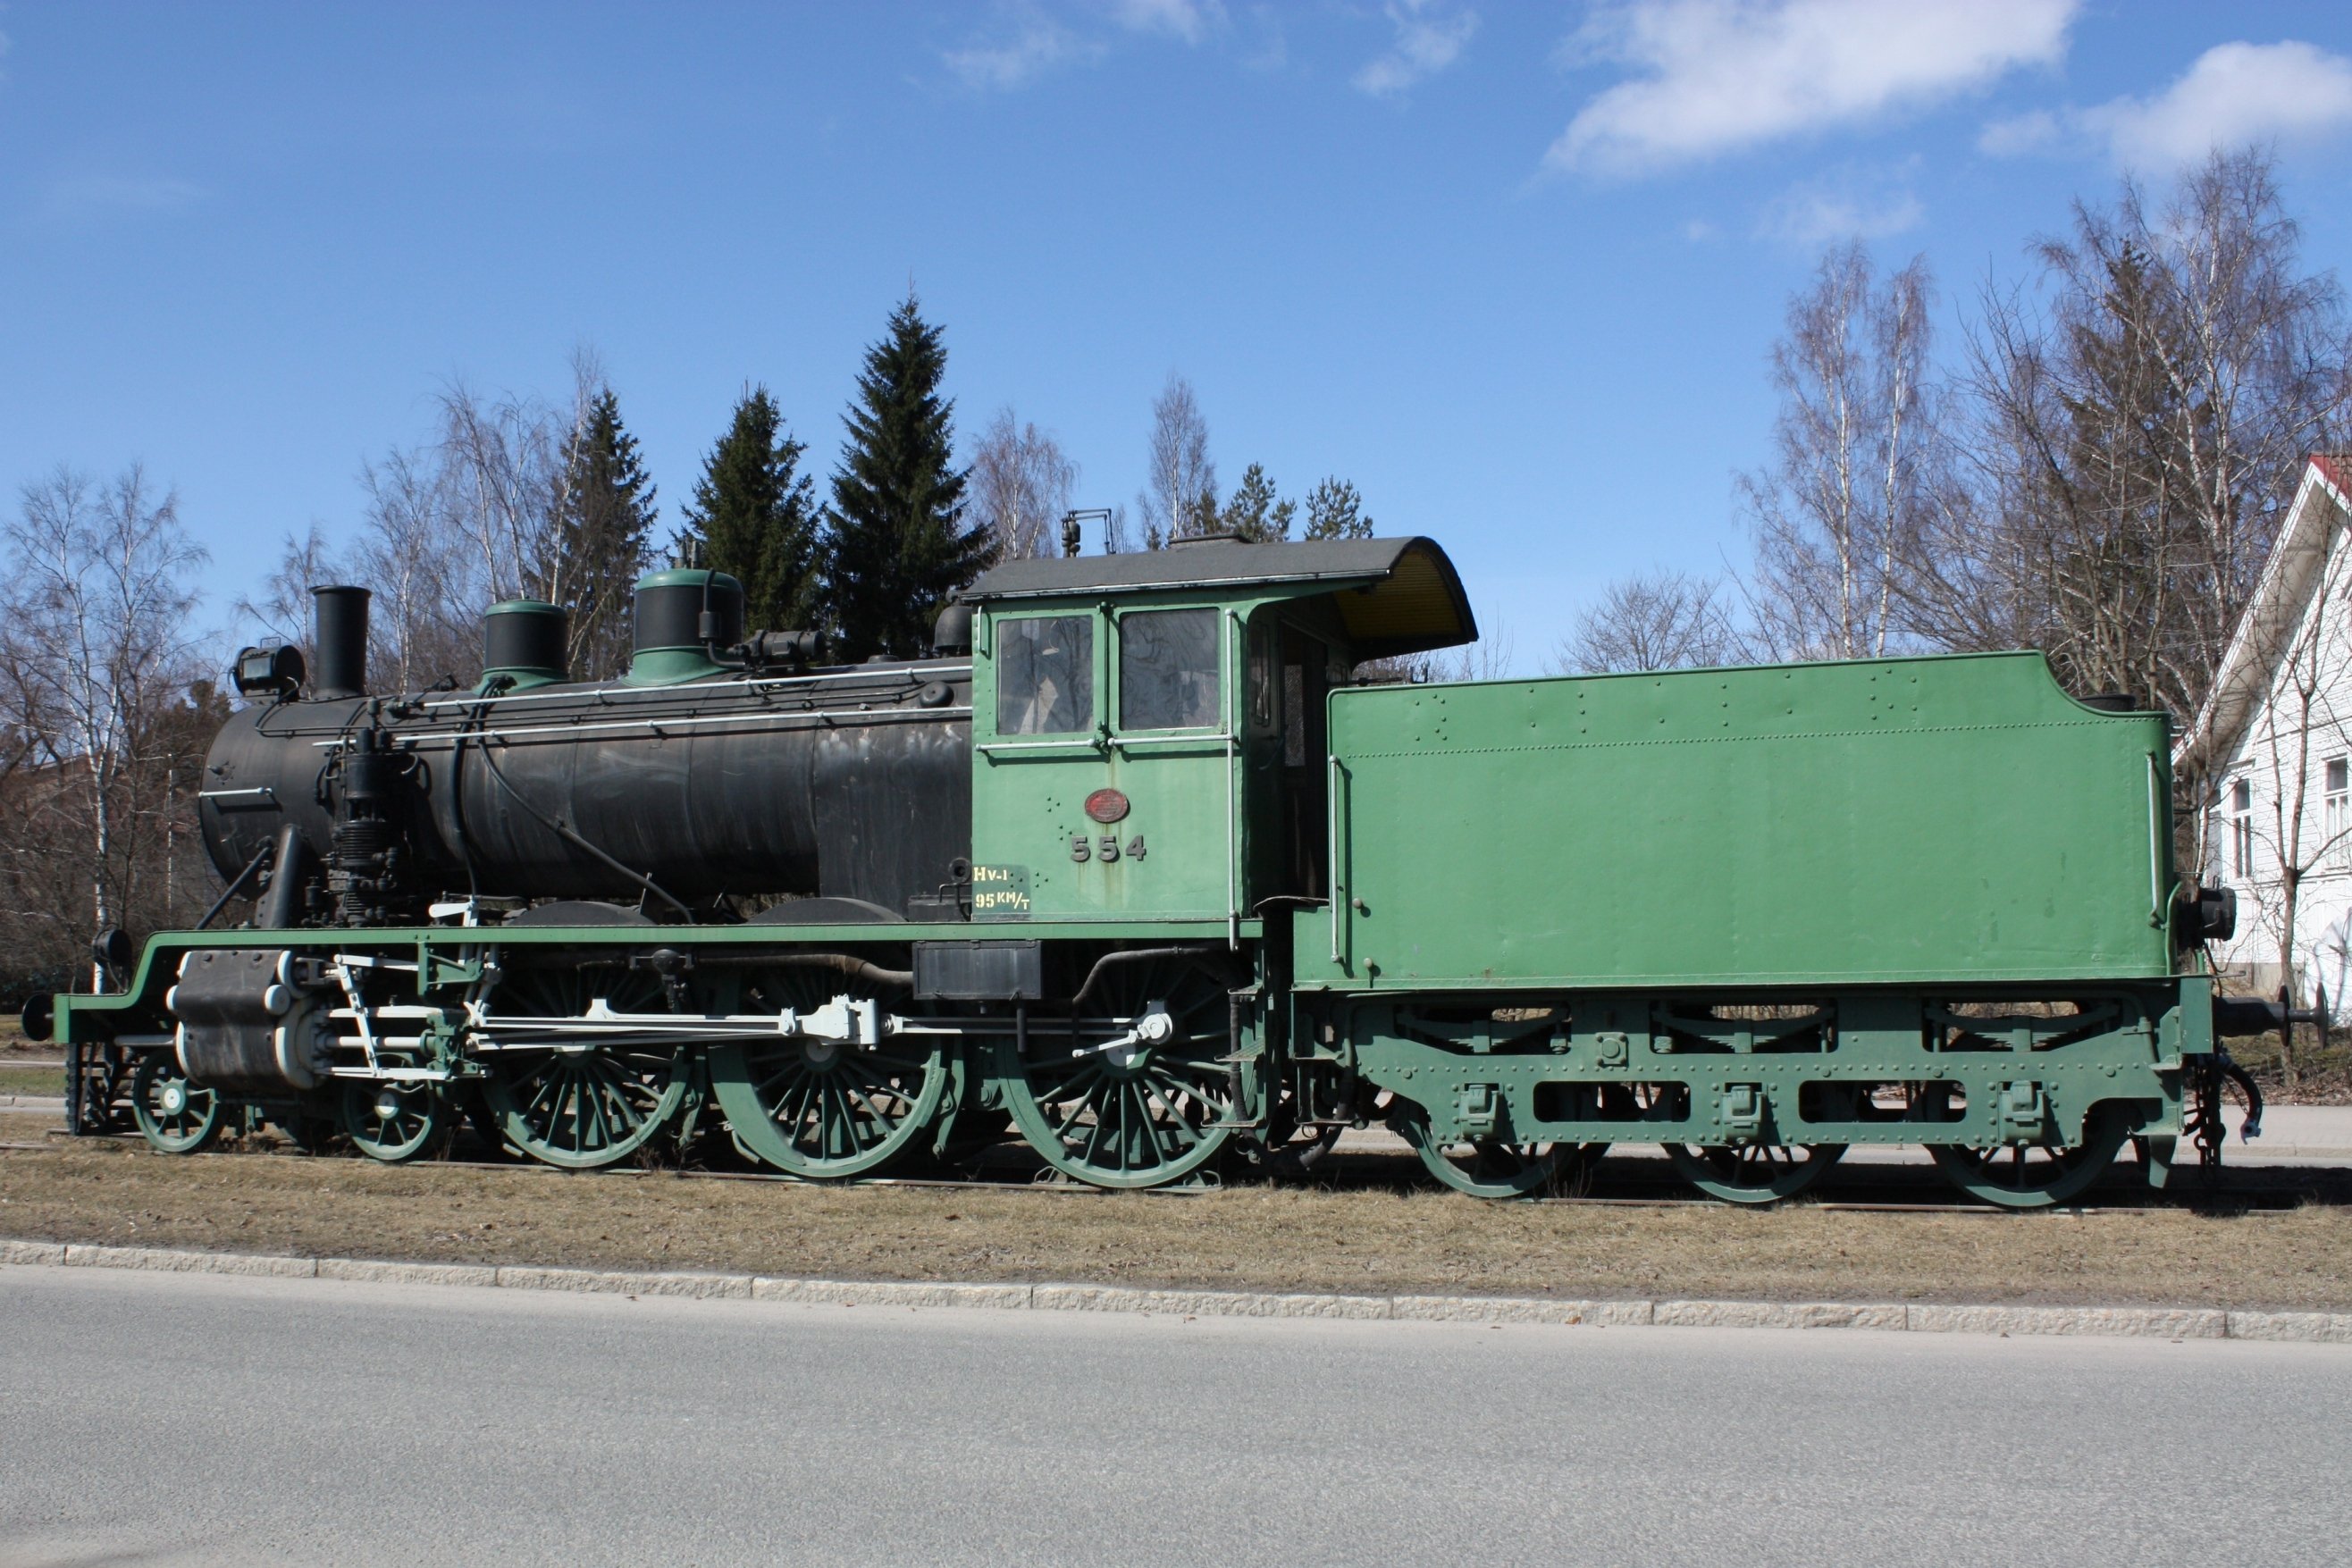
[1046,676]
[1168,669]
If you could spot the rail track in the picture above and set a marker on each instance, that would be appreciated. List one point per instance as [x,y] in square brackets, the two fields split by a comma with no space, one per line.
[1633,1179]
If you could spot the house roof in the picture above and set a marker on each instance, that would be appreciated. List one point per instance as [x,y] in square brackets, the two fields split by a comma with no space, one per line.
[2289,578]
[1394,596]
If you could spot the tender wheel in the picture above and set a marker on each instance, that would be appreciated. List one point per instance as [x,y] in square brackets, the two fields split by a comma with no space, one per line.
[1486,1167]
[1489,1167]
[1139,1092]
[175,1116]
[396,1121]
[2035,1176]
[1753,1173]
[825,1109]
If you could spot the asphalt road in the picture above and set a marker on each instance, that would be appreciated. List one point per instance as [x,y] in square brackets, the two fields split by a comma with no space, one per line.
[155,1418]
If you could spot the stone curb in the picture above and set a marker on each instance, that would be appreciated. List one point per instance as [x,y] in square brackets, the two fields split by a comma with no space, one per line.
[2106,1322]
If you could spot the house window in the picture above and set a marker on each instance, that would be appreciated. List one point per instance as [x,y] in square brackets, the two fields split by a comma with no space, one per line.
[2336,853]
[2241,829]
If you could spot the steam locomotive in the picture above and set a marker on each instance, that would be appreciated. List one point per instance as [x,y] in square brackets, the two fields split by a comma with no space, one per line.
[1139,873]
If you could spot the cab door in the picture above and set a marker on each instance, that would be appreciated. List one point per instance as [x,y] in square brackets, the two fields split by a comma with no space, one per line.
[1173,763]
[1286,743]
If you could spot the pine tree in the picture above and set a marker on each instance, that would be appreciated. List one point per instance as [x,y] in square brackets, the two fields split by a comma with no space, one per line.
[604,529]
[1334,511]
[896,543]
[754,515]
[1255,511]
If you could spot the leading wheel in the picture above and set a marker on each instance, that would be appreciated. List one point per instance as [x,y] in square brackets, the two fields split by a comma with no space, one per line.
[175,1116]
[396,1121]
[1754,1171]
[828,1108]
[1136,1091]
[577,1103]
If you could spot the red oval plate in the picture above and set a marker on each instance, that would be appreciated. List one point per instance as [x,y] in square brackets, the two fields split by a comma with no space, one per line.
[1107,806]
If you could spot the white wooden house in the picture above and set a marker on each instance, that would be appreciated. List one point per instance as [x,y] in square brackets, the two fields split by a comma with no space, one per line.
[2274,738]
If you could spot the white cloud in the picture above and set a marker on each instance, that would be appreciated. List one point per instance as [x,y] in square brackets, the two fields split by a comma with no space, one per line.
[1718,76]
[1036,45]
[1031,40]
[1427,41]
[104,195]
[2235,94]
[1191,20]
[1850,204]
[2029,133]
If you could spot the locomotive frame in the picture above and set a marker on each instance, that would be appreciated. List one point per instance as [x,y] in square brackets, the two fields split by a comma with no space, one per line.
[1218,901]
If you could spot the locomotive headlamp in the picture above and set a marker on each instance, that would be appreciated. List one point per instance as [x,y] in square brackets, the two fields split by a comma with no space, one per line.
[273,669]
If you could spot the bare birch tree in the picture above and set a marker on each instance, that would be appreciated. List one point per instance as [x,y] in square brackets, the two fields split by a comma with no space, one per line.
[1835,516]
[429,592]
[99,605]
[278,608]
[1653,620]
[503,462]
[1020,483]
[1180,497]
[2136,440]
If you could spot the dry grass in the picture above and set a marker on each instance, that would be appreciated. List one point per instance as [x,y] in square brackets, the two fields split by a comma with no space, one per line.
[1257,1238]
[22,1080]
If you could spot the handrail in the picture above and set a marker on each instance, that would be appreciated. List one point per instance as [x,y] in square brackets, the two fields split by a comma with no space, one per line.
[1331,863]
[1077,743]
[1228,699]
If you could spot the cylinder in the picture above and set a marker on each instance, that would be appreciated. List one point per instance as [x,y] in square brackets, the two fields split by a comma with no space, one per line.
[523,641]
[342,637]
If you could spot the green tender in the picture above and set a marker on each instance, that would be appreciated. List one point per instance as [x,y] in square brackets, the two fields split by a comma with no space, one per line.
[1905,821]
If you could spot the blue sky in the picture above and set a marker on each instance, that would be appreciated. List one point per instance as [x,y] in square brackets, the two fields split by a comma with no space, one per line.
[1513,270]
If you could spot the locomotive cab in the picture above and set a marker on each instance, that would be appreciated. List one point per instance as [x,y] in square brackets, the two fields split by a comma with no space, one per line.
[1150,730]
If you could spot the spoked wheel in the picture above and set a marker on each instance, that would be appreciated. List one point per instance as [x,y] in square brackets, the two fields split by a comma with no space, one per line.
[396,1121]
[2026,1176]
[581,1103]
[175,1116]
[1488,1167]
[1755,1172]
[1139,1093]
[2035,1176]
[826,1109]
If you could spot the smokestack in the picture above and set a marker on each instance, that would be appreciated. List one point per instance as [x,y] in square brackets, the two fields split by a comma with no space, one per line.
[343,618]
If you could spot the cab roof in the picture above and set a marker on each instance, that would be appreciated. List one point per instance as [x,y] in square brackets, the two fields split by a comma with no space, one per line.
[1394,596]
